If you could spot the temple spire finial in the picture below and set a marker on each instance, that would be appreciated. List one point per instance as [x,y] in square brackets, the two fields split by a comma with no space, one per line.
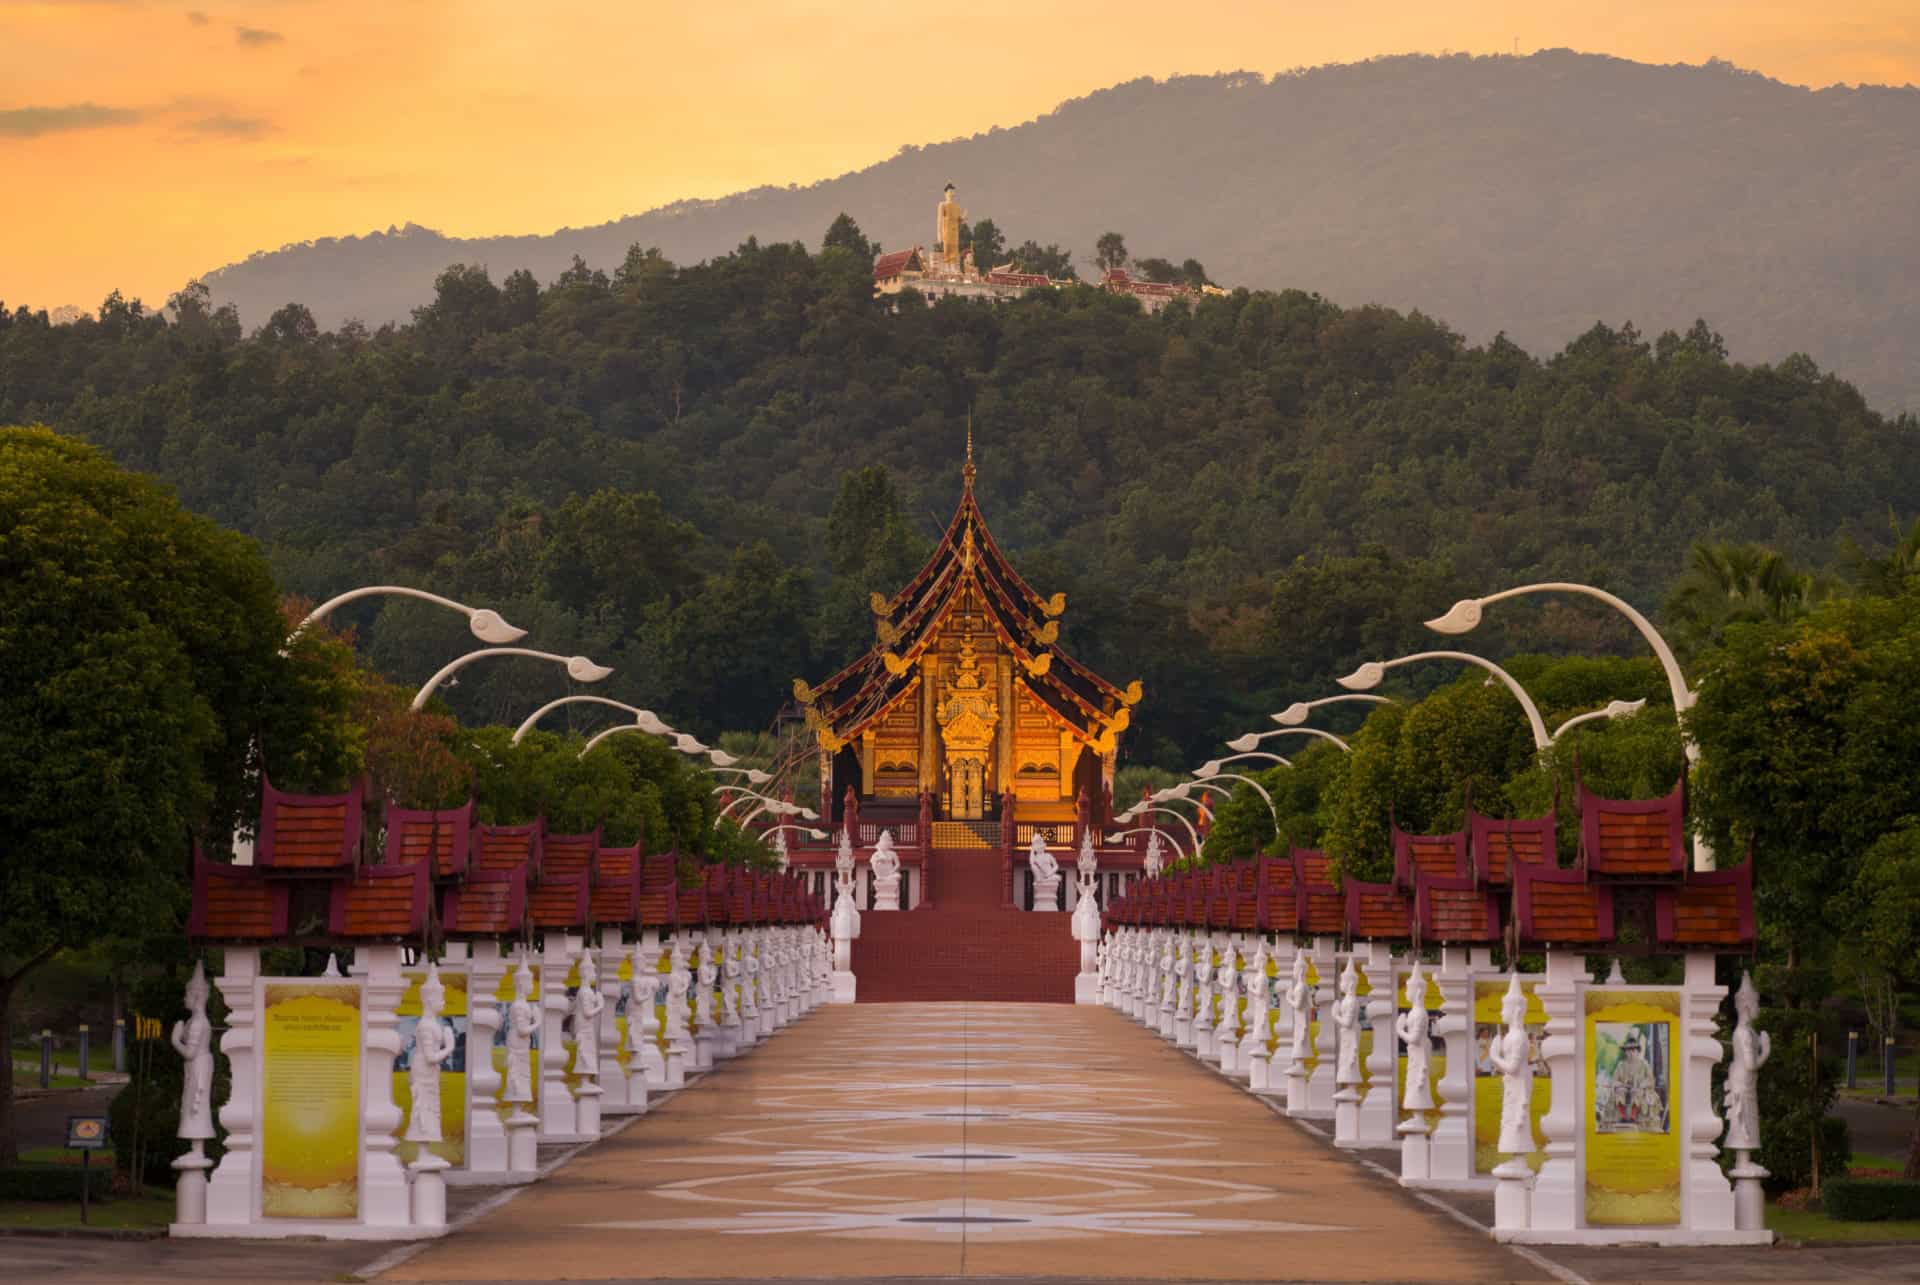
[967,472]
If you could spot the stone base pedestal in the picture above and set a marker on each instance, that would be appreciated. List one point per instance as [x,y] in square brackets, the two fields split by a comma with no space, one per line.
[1512,1188]
[1346,1117]
[1257,1066]
[1297,1104]
[1749,1200]
[587,1118]
[705,1052]
[1183,1031]
[1086,988]
[523,1146]
[190,1192]
[842,987]
[1227,1051]
[428,1191]
[1416,1152]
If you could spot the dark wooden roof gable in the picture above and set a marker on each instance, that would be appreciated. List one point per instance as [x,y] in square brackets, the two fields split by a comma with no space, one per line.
[1634,838]
[1439,856]
[235,903]
[487,903]
[309,832]
[1561,908]
[443,838]
[380,903]
[1379,911]
[1499,845]
[1711,910]
[1457,912]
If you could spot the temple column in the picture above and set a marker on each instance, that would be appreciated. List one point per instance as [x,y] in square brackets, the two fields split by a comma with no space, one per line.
[230,1190]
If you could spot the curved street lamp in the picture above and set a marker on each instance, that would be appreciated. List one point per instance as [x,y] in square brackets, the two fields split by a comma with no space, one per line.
[1212,766]
[1173,843]
[1252,739]
[1466,614]
[645,719]
[486,624]
[602,735]
[798,829]
[579,668]
[1296,714]
[1370,674]
[1217,775]
[1145,809]
[753,775]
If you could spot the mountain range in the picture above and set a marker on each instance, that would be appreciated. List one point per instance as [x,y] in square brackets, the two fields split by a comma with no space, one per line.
[1527,195]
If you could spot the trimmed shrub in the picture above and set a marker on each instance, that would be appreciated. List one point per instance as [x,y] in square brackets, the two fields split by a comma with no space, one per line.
[1795,1098]
[53,1183]
[1870,1200]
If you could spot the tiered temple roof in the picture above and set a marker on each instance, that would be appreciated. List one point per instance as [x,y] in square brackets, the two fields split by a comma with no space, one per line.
[1025,624]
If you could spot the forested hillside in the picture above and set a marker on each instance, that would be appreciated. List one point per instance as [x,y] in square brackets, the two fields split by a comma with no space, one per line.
[669,469]
[1531,196]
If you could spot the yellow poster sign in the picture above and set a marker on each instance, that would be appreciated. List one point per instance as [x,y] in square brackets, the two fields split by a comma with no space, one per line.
[453,1072]
[1632,1107]
[310,1099]
[1486,1081]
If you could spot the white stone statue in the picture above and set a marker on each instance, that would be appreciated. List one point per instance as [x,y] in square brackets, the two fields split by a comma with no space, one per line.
[1412,1028]
[780,849]
[1508,1053]
[1046,874]
[845,920]
[1227,980]
[432,1045]
[1153,862]
[709,974]
[1168,969]
[679,983]
[1346,1027]
[1300,1002]
[523,1021]
[587,1003]
[884,866]
[1740,1102]
[1182,972]
[193,1041]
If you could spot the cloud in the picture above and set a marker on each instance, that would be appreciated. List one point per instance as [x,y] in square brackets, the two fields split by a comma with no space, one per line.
[255,37]
[31,122]
[225,126]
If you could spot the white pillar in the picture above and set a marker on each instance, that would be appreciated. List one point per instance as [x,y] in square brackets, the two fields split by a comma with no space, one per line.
[1557,1201]
[230,1190]
[1320,1085]
[1378,1111]
[486,1136]
[1452,1146]
[612,1080]
[1708,1203]
[383,1190]
[559,1115]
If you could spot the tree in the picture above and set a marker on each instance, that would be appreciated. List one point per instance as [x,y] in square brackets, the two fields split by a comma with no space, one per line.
[1194,273]
[1048,260]
[1726,583]
[989,245]
[1110,252]
[1160,270]
[844,234]
[141,652]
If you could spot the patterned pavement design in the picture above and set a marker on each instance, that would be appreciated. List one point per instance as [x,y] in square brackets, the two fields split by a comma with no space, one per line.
[959,1139]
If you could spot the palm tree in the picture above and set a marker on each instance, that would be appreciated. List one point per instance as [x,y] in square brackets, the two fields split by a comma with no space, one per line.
[1729,584]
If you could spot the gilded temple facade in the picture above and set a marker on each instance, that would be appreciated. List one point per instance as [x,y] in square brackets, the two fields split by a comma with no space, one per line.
[966,711]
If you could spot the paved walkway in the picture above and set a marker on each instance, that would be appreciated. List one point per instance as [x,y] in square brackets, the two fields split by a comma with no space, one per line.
[964,1140]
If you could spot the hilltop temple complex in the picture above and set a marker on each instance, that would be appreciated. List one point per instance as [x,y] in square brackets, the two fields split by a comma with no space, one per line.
[950,272]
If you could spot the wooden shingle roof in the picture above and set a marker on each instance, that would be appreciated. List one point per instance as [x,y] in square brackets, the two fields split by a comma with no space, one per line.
[443,839]
[380,903]
[309,833]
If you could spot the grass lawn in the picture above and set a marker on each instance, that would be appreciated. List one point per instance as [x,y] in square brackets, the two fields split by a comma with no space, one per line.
[1872,1078]
[153,1210]
[62,1156]
[1804,1224]
[28,1077]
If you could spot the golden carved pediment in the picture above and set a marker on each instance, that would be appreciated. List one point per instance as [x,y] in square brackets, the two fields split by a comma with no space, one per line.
[1055,605]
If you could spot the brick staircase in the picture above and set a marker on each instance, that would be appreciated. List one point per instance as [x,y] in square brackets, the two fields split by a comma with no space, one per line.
[967,946]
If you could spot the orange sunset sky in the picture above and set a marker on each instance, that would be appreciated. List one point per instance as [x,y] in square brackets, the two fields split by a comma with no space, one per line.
[143,142]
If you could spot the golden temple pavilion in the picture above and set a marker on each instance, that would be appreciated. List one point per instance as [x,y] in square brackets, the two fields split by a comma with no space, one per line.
[966,712]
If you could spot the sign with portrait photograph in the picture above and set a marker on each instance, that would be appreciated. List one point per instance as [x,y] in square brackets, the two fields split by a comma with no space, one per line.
[1631,1076]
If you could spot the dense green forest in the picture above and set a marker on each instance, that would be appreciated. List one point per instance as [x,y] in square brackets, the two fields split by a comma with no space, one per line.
[670,469]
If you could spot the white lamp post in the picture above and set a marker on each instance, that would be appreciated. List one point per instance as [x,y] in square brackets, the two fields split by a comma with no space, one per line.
[1173,843]
[1252,739]
[1214,765]
[1140,809]
[1370,674]
[615,730]
[579,668]
[753,775]
[644,719]
[1211,772]
[1296,714]
[798,829]
[1465,615]
[486,624]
